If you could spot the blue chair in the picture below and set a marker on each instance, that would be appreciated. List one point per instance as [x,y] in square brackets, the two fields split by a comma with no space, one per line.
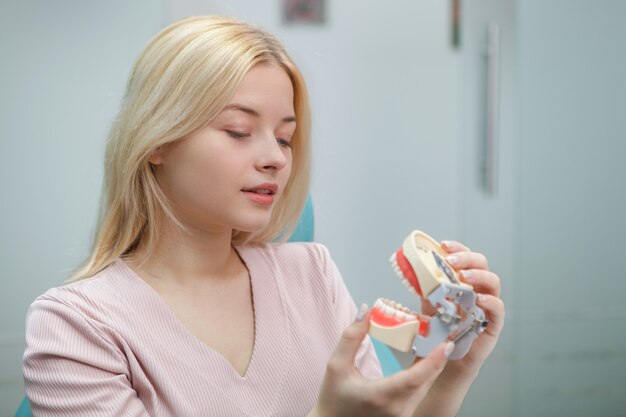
[24,410]
[304,232]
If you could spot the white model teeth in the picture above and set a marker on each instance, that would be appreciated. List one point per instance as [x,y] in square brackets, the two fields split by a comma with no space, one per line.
[402,312]
[393,309]
[394,264]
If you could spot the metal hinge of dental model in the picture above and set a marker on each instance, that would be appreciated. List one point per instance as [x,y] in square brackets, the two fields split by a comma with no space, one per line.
[420,263]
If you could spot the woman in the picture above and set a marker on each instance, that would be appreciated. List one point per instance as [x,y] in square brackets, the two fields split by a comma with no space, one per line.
[185,307]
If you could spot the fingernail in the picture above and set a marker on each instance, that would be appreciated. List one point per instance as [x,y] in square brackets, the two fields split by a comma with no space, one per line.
[449,348]
[467,275]
[448,243]
[361,312]
[482,298]
[452,259]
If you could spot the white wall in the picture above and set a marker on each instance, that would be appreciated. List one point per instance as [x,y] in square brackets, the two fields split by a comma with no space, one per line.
[63,71]
[571,327]
[488,218]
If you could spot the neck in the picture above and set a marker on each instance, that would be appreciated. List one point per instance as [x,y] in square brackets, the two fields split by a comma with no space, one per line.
[185,258]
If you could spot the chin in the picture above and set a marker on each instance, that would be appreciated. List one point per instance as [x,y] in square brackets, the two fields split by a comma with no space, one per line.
[253,224]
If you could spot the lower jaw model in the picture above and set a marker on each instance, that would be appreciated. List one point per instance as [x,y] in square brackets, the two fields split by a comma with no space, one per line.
[420,263]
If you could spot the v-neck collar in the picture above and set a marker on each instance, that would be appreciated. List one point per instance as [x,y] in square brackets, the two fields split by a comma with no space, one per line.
[267,368]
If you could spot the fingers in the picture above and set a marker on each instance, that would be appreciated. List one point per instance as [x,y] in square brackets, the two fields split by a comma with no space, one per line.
[473,267]
[422,373]
[494,308]
[452,246]
[483,281]
[342,361]
[467,260]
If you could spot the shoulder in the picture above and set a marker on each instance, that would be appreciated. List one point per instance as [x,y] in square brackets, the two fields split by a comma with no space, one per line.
[92,298]
[104,284]
[313,251]
[304,256]
[298,267]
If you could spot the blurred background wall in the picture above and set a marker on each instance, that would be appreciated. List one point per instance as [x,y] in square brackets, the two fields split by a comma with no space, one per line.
[400,125]
[63,71]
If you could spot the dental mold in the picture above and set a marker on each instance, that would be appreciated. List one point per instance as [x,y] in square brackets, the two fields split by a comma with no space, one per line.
[420,264]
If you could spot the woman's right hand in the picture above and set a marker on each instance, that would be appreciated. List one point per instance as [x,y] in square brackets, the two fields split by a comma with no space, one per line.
[345,393]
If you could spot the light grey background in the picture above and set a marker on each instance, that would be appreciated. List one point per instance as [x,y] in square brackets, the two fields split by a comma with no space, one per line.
[398,138]
[63,68]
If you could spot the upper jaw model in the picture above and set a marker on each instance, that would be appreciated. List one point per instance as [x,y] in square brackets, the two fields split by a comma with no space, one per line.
[420,263]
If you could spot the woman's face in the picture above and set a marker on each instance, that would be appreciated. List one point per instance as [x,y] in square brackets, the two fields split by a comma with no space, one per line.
[230,173]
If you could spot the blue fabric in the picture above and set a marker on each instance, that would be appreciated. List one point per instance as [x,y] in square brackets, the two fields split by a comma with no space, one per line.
[304,231]
[388,361]
[24,410]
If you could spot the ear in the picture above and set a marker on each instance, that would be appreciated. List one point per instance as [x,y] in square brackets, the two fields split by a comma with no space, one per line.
[156,156]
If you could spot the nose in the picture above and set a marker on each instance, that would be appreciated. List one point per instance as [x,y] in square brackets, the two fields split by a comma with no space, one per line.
[272,156]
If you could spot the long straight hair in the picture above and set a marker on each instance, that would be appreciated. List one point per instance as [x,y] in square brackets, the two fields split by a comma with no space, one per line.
[181,81]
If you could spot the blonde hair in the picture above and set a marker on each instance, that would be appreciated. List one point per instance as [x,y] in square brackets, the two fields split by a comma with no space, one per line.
[182,80]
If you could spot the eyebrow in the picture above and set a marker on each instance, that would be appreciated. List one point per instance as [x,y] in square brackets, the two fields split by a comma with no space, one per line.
[254,113]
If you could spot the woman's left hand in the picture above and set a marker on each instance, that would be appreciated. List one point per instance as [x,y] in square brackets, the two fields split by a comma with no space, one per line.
[447,393]
[474,270]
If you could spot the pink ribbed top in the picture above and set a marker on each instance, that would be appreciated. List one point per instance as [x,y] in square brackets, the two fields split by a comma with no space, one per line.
[111,346]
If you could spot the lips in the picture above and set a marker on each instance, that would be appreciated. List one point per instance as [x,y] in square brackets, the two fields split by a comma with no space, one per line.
[266,188]
[262,194]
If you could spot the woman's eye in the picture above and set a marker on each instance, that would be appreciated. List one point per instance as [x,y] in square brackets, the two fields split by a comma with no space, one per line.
[284,142]
[237,135]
